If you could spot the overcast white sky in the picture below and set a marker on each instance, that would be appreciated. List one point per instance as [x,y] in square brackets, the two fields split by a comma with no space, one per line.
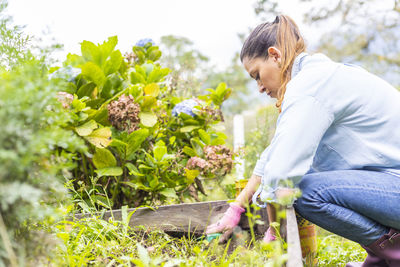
[211,24]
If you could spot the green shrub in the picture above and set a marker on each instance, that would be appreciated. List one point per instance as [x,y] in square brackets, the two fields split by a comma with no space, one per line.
[142,150]
[31,138]
[32,161]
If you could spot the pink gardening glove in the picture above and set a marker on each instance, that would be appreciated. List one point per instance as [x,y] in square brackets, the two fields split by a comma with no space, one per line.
[226,224]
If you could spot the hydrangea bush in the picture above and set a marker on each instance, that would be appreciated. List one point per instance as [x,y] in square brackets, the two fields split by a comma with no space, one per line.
[145,144]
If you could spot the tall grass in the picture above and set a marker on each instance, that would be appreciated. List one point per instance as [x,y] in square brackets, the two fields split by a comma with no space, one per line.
[92,241]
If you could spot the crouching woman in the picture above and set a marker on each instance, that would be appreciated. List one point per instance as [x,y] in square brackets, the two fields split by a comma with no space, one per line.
[337,139]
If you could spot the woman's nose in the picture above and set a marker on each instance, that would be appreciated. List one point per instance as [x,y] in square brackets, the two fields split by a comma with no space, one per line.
[261,87]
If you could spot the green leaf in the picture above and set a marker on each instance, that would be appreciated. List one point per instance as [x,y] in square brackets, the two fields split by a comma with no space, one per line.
[159,150]
[87,128]
[149,159]
[135,91]
[98,54]
[141,70]
[137,78]
[172,140]
[221,89]
[188,129]
[220,94]
[148,119]
[148,103]
[133,170]
[169,192]
[189,151]
[218,141]
[219,127]
[205,137]
[142,166]
[112,65]
[124,215]
[102,201]
[101,116]
[90,52]
[93,73]
[95,103]
[157,74]
[86,90]
[118,144]
[155,55]
[141,56]
[137,185]
[100,138]
[63,236]
[113,84]
[133,185]
[191,175]
[104,158]
[74,60]
[152,89]
[135,140]
[197,146]
[154,182]
[148,68]
[107,47]
[77,104]
[110,171]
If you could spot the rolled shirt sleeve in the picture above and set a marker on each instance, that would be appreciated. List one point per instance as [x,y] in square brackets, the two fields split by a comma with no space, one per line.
[300,128]
[259,168]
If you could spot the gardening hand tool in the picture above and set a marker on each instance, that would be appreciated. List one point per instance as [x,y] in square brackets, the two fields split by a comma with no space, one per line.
[227,223]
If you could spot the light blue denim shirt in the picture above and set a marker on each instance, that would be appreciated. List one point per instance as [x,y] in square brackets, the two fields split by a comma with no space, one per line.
[334,117]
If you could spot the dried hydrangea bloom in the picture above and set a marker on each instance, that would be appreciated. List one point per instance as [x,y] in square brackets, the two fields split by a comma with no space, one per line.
[197,163]
[215,114]
[123,114]
[130,57]
[219,158]
[65,99]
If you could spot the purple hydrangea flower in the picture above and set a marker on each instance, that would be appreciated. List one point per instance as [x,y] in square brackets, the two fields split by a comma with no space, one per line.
[143,42]
[68,73]
[186,107]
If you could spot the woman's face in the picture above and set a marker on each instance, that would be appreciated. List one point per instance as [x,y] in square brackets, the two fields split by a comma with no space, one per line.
[266,71]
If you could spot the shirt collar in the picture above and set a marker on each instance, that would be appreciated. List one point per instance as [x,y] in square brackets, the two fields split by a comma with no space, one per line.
[297,64]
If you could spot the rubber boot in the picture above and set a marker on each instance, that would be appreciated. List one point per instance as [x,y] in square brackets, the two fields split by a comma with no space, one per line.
[371,260]
[384,252]
[388,248]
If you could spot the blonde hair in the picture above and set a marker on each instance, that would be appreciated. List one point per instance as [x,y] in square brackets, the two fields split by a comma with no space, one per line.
[285,35]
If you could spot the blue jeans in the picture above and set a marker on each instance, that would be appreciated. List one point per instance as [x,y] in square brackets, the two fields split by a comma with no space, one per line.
[359,205]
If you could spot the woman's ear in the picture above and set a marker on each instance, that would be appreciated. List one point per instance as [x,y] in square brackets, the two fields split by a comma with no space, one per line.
[275,54]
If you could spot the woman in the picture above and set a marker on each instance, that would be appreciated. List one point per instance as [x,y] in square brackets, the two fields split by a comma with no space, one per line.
[337,139]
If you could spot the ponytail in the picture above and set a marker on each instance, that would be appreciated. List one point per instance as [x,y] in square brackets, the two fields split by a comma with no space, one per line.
[285,35]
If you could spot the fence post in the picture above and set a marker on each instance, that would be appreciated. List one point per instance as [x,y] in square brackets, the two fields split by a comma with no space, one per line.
[238,143]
